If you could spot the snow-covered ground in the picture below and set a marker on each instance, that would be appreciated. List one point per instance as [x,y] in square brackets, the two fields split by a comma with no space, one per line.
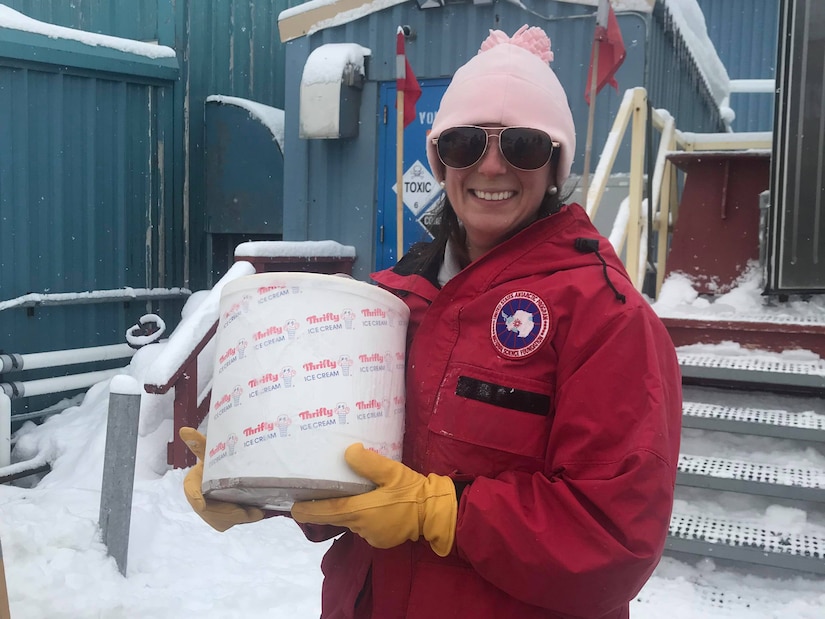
[57,567]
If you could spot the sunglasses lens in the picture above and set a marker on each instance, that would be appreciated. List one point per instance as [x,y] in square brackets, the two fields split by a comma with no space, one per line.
[526,149]
[461,147]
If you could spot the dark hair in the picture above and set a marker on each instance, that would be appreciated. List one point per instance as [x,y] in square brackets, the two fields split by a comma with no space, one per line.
[447,228]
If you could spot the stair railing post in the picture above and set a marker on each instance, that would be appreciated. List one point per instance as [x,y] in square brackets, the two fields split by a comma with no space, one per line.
[637,171]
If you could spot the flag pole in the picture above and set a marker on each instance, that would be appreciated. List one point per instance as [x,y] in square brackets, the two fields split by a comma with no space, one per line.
[601,20]
[591,116]
[399,175]
[401,74]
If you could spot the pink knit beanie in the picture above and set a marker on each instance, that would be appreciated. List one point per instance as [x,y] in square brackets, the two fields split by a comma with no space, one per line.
[508,83]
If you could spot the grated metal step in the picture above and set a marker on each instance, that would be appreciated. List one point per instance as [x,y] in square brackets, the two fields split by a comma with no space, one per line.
[735,541]
[751,478]
[755,371]
[804,426]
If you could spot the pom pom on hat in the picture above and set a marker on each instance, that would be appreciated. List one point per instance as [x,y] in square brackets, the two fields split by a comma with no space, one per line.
[533,39]
[508,83]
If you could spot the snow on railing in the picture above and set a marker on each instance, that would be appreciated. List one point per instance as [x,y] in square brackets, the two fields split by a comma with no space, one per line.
[35,299]
[192,329]
[177,365]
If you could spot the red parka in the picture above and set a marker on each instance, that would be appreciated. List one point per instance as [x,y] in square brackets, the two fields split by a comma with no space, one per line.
[560,404]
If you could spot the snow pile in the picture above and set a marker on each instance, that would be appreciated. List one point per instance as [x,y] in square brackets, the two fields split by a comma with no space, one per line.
[744,302]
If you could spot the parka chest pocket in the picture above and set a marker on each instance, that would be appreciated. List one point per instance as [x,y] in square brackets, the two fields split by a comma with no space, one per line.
[480,408]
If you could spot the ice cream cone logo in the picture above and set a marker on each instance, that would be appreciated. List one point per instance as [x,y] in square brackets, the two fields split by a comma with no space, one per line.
[291,327]
[242,344]
[342,411]
[283,422]
[388,358]
[245,302]
[237,392]
[345,361]
[231,442]
[349,316]
[391,318]
[288,374]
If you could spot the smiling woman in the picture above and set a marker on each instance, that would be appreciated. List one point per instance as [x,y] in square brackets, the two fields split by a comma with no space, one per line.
[543,396]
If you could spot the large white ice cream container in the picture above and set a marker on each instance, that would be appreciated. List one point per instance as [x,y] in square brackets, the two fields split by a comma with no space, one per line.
[305,365]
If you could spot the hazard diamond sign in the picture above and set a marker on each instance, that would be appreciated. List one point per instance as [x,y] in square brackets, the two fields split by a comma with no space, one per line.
[419,188]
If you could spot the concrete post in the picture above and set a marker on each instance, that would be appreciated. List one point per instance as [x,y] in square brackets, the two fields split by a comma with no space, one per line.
[119,467]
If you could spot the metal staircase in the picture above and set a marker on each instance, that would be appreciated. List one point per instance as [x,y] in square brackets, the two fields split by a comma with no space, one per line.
[734,389]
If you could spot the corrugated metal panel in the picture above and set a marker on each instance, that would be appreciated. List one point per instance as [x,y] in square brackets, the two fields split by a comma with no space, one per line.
[674,80]
[744,33]
[797,249]
[79,181]
[234,49]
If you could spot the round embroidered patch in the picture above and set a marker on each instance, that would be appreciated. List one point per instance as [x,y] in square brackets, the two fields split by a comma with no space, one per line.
[520,324]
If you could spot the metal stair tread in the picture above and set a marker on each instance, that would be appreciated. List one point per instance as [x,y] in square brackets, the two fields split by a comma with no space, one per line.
[730,539]
[750,477]
[753,369]
[805,425]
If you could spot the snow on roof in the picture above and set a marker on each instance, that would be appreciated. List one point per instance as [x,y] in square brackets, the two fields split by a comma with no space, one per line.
[689,19]
[13,20]
[310,17]
[326,63]
[271,117]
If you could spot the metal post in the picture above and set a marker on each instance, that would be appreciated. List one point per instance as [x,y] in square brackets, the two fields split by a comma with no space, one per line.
[119,467]
[5,429]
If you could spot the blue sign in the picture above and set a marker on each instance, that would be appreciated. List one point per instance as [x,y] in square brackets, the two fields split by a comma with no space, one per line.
[420,192]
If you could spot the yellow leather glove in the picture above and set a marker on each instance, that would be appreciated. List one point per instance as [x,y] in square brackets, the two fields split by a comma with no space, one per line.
[405,506]
[219,515]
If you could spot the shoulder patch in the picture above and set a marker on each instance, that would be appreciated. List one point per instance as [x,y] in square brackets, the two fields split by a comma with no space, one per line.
[519,325]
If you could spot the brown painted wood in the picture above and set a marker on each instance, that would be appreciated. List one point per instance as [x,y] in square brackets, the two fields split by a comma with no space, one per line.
[773,337]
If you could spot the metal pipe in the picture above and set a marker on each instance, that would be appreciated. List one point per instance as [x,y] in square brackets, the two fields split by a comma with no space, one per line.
[29,388]
[34,361]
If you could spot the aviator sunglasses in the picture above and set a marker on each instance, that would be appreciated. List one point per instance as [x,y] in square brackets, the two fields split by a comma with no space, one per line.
[522,147]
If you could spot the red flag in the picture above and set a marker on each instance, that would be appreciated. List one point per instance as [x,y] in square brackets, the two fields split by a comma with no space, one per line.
[405,79]
[608,39]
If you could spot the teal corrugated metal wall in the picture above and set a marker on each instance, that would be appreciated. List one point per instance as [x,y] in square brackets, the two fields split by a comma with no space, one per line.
[83,193]
[102,174]
[85,184]
[233,49]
